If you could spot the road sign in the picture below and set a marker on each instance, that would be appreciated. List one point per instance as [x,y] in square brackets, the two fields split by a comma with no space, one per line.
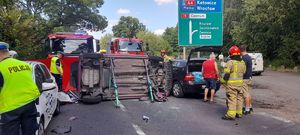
[200,22]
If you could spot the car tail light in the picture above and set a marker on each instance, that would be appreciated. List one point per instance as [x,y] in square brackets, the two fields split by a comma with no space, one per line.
[189,77]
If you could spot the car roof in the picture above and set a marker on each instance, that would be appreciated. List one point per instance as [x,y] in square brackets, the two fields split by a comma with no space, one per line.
[34,63]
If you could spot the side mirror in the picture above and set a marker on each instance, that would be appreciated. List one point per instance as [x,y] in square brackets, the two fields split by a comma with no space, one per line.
[48,86]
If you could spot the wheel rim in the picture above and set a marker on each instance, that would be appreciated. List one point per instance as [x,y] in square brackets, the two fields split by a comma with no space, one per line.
[176,89]
[41,129]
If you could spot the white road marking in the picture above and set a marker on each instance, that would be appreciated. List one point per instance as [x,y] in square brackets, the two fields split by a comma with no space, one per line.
[138,130]
[123,108]
[174,108]
[274,117]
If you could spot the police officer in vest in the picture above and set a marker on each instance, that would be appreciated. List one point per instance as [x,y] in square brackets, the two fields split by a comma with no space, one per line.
[18,93]
[56,68]
[234,71]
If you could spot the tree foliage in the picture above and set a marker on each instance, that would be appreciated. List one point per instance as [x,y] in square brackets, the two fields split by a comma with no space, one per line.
[128,27]
[104,40]
[25,23]
[268,26]
[154,43]
[171,35]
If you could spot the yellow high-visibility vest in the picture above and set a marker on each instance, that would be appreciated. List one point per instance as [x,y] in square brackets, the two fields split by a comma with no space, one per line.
[167,58]
[19,87]
[53,68]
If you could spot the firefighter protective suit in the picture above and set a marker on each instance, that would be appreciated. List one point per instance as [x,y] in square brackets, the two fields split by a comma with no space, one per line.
[234,87]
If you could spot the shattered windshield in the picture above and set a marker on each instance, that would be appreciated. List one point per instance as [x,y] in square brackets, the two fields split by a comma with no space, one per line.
[129,46]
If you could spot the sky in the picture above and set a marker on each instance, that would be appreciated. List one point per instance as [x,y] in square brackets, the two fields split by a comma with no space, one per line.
[157,15]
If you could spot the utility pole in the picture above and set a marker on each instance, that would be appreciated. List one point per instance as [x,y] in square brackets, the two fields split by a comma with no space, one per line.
[184,53]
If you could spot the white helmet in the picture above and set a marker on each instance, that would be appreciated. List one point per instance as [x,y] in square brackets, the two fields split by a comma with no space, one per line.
[13,54]
[221,57]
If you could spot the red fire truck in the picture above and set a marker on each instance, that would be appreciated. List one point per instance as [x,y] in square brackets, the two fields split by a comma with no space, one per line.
[125,46]
[70,44]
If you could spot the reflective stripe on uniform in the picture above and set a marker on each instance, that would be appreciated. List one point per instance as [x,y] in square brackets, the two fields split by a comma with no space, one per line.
[235,81]
[231,113]
[239,112]
[234,75]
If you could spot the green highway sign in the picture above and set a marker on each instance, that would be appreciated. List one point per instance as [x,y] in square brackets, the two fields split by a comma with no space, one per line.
[200,22]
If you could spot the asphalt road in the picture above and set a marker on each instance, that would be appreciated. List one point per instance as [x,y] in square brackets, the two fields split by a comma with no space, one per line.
[276,93]
[187,116]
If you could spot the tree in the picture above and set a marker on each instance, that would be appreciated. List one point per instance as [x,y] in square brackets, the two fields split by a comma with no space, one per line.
[171,35]
[154,42]
[20,30]
[128,26]
[67,13]
[24,24]
[232,16]
[104,40]
[271,27]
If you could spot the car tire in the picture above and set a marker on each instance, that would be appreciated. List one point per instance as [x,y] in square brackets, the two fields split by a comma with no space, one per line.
[41,129]
[177,90]
[57,109]
[91,99]
[258,73]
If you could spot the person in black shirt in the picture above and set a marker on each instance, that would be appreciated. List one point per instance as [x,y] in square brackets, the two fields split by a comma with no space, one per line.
[247,80]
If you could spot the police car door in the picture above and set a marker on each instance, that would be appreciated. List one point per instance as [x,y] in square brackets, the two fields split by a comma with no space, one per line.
[43,104]
[52,94]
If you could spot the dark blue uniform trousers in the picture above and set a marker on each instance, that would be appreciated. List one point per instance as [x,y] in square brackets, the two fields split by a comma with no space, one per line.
[21,120]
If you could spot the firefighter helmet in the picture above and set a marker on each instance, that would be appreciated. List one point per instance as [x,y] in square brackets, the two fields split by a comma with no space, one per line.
[234,50]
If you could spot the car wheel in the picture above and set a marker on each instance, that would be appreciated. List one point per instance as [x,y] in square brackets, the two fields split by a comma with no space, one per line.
[258,73]
[91,99]
[41,130]
[177,90]
[57,109]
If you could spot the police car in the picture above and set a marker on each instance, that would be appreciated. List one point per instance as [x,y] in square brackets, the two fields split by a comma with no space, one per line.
[48,103]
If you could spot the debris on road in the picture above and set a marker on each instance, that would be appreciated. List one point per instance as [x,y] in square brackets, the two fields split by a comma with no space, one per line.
[146,118]
[72,118]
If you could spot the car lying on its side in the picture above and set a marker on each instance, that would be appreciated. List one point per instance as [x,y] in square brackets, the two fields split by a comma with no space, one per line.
[48,103]
[187,75]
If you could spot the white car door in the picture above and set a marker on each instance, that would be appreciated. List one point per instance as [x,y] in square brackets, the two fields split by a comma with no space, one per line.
[47,101]
[51,95]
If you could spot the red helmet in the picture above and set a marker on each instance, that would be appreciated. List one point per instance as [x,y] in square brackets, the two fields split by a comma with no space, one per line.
[234,50]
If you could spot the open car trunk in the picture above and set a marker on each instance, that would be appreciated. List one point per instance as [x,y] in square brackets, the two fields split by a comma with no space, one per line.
[196,58]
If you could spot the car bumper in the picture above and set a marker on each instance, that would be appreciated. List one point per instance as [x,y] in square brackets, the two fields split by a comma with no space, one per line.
[191,87]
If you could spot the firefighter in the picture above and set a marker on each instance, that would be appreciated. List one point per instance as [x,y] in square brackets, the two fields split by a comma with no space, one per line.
[234,71]
[56,68]
[18,93]
[165,56]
